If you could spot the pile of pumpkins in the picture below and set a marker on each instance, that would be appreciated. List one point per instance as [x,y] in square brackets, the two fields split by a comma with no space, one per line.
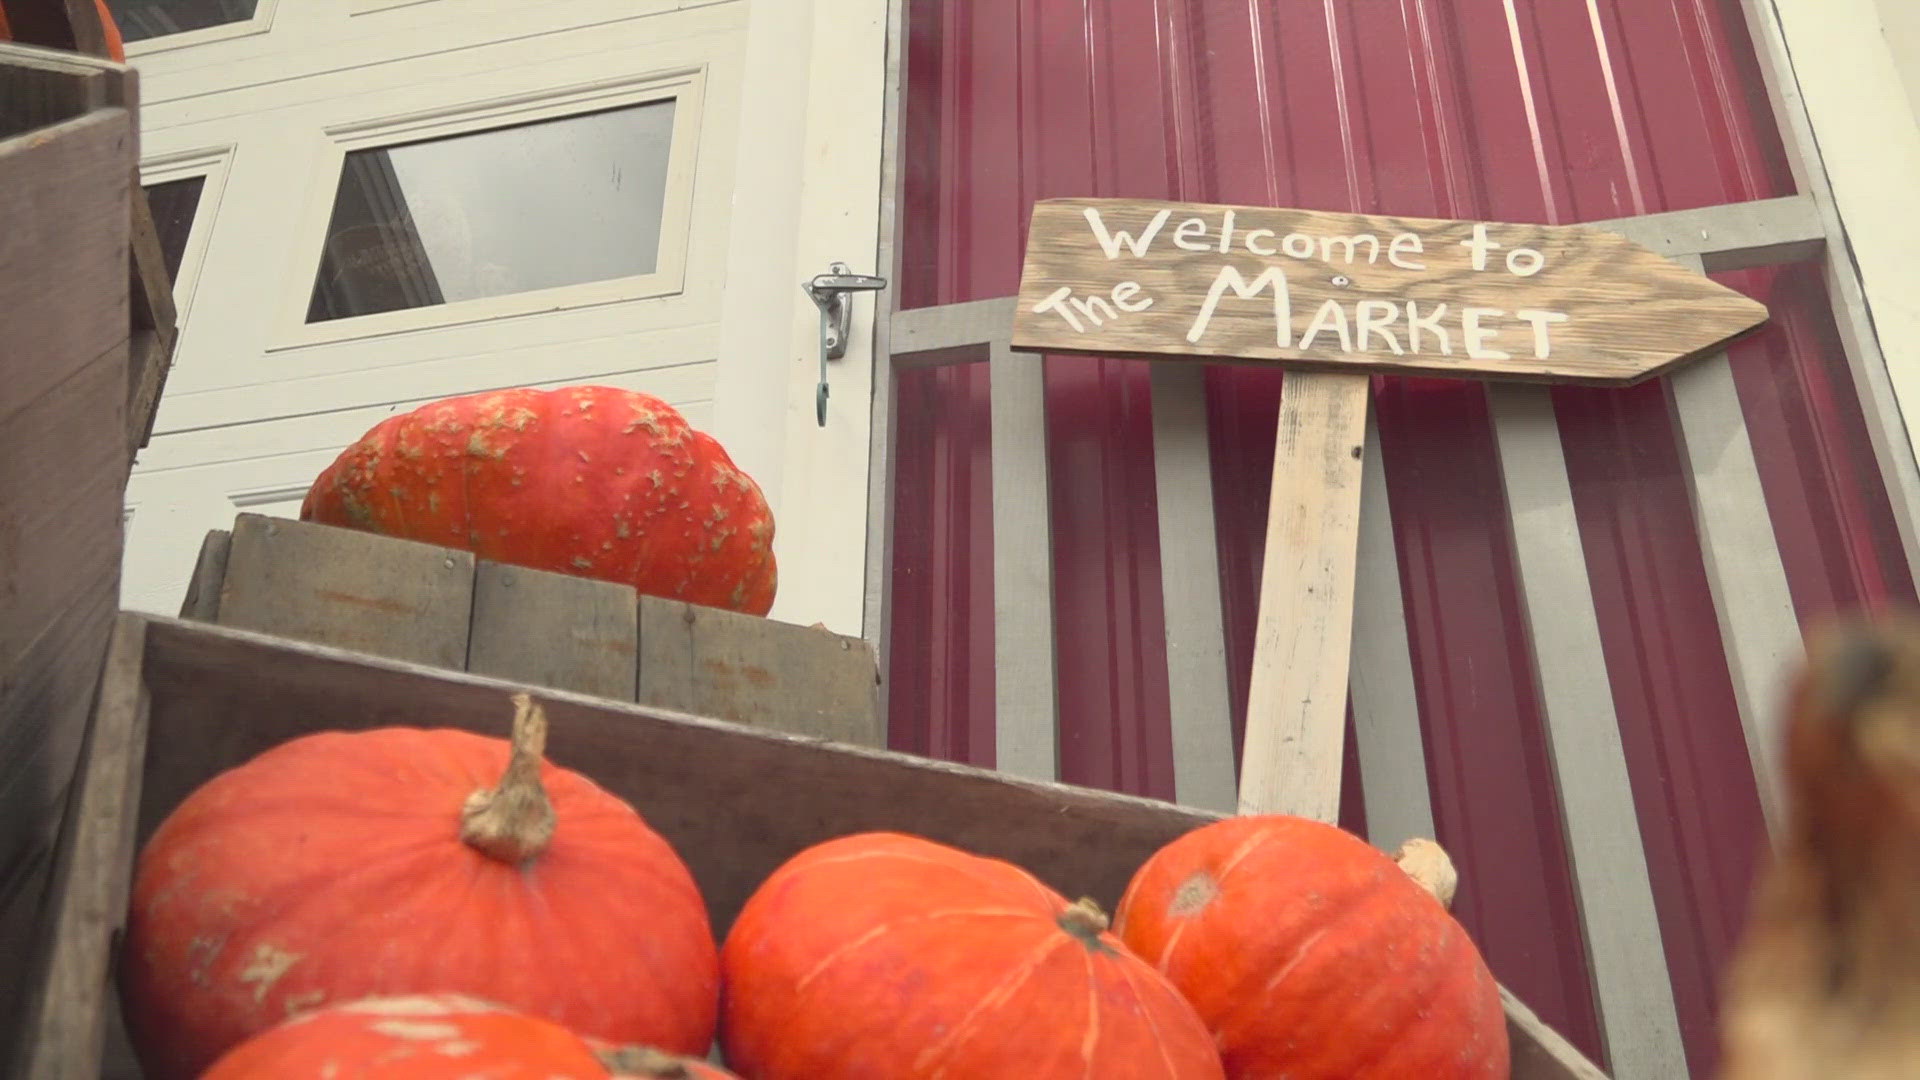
[429,904]
[433,903]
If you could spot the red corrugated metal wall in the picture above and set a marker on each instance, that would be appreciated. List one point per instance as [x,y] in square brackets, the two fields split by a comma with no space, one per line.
[1522,110]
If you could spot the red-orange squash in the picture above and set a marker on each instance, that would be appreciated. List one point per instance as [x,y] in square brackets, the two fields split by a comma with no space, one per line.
[592,481]
[415,1037]
[341,866]
[646,1063]
[892,957]
[1312,955]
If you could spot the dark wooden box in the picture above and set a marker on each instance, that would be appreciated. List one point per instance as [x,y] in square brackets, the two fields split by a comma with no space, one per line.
[441,607]
[180,701]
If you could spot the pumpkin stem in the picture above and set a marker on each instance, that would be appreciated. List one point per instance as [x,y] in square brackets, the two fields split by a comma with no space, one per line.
[643,1061]
[1084,919]
[514,822]
[1427,863]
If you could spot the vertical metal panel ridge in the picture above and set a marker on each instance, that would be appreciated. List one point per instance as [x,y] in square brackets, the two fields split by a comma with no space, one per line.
[1026,740]
[1622,925]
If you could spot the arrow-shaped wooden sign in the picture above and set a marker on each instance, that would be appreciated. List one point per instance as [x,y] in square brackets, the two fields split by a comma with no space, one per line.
[1344,297]
[1363,293]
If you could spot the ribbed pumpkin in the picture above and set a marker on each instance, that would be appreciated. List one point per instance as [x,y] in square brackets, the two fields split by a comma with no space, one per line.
[1312,955]
[416,1037]
[592,481]
[342,866]
[892,957]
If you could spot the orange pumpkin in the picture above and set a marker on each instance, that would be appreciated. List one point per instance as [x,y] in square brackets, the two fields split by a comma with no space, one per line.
[417,1037]
[342,866]
[1312,955]
[646,1063]
[591,481]
[883,955]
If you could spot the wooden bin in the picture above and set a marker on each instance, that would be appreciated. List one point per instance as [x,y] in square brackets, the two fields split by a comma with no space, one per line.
[68,147]
[181,701]
[442,607]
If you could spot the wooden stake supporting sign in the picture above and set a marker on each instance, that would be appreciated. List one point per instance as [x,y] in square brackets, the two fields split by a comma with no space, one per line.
[1337,299]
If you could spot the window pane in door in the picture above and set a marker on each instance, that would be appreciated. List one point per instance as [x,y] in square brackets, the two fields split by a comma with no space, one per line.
[142,19]
[510,210]
[173,204]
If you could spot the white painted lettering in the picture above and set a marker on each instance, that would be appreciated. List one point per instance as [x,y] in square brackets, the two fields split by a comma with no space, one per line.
[1124,293]
[1352,243]
[1431,323]
[1525,262]
[1226,233]
[1330,317]
[1095,308]
[1193,226]
[1476,336]
[1375,316]
[1111,242]
[1302,250]
[1253,244]
[1480,245]
[1542,344]
[1056,303]
[1407,243]
[1229,278]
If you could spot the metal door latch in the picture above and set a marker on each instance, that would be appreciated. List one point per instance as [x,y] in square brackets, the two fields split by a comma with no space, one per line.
[829,293]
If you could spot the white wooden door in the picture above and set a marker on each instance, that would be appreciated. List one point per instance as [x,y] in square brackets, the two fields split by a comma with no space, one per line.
[376,203]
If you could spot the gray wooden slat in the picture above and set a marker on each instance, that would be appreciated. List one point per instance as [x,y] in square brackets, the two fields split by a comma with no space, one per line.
[1634,991]
[1759,628]
[1540,1053]
[202,601]
[756,671]
[1386,711]
[1736,236]
[349,589]
[1025,672]
[66,1033]
[557,630]
[951,326]
[1203,760]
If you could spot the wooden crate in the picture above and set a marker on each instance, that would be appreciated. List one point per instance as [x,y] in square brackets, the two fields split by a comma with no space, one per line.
[442,607]
[181,701]
[67,153]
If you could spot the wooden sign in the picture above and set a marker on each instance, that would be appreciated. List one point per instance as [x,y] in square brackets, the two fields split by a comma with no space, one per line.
[1363,293]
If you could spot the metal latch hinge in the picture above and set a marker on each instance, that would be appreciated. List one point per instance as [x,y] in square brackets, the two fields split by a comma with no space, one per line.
[829,293]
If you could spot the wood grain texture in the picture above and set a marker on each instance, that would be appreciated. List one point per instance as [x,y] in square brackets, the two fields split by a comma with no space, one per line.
[40,87]
[1628,313]
[1303,635]
[202,601]
[219,697]
[347,588]
[556,630]
[709,662]
[68,1028]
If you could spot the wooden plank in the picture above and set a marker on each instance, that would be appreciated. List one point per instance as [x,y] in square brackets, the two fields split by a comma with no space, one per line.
[209,573]
[1386,710]
[154,317]
[1631,984]
[1026,702]
[1361,292]
[65,1037]
[1303,636]
[951,326]
[756,671]
[40,87]
[219,697]
[556,630]
[1203,758]
[1737,236]
[355,590]
[1540,1053]
[1759,628]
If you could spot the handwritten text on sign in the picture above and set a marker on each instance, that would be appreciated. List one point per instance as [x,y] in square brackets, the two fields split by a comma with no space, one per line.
[1469,299]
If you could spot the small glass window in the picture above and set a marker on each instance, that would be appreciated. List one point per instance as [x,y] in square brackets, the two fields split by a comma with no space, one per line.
[509,210]
[142,19]
[173,205]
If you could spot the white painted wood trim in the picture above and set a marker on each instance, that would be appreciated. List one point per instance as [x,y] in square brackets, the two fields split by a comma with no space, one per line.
[261,23]
[1758,627]
[1025,670]
[1850,136]
[1386,710]
[1631,984]
[1202,713]
[876,624]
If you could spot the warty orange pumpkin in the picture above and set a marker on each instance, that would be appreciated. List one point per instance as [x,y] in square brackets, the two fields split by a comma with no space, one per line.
[891,957]
[340,866]
[1312,955]
[592,481]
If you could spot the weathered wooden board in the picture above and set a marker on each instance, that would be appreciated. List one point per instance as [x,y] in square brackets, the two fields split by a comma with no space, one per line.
[371,593]
[1360,292]
[750,670]
[548,629]
[734,801]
